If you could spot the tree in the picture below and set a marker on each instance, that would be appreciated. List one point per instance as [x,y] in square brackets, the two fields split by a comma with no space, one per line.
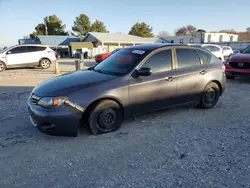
[163,34]
[191,29]
[98,26]
[141,30]
[52,24]
[186,30]
[248,29]
[81,25]
[231,31]
[181,31]
[201,31]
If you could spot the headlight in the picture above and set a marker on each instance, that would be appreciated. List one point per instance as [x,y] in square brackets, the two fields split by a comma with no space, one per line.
[50,102]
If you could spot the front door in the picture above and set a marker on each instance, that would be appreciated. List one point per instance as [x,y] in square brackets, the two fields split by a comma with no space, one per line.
[156,91]
[16,56]
[190,75]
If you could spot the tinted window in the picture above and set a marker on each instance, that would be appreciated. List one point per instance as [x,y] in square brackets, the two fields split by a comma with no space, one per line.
[214,49]
[187,57]
[17,50]
[35,48]
[121,62]
[205,56]
[246,50]
[159,62]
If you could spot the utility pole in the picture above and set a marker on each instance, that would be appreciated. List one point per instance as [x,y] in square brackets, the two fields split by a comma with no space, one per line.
[45,24]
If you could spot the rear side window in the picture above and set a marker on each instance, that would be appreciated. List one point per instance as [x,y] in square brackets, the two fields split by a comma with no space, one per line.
[214,49]
[160,62]
[205,56]
[35,48]
[187,58]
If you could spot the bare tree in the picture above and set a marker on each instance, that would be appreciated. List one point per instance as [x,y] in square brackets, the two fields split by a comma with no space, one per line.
[181,31]
[163,34]
[186,30]
[191,29]
[231,31]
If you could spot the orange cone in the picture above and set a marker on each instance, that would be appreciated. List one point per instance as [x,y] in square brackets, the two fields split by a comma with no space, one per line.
[57,70]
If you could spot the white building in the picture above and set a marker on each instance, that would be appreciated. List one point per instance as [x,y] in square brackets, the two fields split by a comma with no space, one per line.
[107,42]
[200,38]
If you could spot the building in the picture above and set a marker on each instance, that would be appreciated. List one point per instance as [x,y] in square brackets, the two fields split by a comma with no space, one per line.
[200,38]
[80,48]
[107,42]
[57,42]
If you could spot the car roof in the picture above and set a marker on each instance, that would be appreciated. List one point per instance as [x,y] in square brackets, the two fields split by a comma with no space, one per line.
[39,45]
[153,46]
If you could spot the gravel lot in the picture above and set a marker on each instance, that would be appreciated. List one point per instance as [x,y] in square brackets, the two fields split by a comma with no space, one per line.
[181,147]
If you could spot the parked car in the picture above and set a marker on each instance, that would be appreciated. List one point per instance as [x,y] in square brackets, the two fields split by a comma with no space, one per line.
[215,49]
[27,55]
[134,80]
[100,57]
[227,51]
[238,65]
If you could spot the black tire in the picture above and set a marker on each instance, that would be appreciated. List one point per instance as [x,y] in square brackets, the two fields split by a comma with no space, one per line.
[230,77]
[44,63]
[106,116]
[210,96]
[2,66]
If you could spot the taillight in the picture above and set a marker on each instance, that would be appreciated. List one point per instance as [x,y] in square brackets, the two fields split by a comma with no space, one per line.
[223,68]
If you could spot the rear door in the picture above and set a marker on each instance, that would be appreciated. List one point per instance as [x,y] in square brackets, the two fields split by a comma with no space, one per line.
[191,75]
[147,93]
[35,53]
[17,56]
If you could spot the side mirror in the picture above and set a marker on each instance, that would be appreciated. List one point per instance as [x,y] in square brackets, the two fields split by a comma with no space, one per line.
[144,71]
[9,52]
[241,51]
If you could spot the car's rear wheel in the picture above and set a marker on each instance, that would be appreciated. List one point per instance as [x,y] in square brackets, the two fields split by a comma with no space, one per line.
[45,63]
[106,116]
[230,77]
[2,66]
[210,96]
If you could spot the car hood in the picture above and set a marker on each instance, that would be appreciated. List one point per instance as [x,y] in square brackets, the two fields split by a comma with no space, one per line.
[67,83]
[240,58]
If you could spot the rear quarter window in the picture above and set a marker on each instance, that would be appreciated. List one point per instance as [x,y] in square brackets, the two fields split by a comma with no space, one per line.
[205,56]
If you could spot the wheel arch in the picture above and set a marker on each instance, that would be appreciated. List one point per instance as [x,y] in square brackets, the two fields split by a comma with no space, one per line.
[218,83]
[4,64]
[88,109]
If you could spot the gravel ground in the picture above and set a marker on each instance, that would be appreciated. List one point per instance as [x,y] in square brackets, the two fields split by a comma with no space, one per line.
[181,147]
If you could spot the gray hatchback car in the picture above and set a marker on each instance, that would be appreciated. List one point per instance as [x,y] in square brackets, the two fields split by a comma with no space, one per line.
[135,80]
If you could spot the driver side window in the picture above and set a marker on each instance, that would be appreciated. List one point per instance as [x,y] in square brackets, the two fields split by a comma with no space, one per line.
[18,50]
[159,62]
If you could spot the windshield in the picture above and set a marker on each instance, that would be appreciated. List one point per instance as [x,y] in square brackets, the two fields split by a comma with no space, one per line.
[121,62]
[246,50]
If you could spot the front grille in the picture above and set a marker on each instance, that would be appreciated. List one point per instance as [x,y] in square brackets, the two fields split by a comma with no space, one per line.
[34,99]
[240,65]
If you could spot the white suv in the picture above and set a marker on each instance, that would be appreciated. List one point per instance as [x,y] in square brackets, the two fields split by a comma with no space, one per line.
[215,49]
[27,55]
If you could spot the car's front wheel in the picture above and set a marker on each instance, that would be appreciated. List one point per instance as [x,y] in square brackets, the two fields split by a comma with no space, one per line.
[45,63]
[106,116]
[210,96]
[2,66]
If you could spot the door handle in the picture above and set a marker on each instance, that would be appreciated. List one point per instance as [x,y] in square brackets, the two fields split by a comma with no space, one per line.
[203,72]
[169,79]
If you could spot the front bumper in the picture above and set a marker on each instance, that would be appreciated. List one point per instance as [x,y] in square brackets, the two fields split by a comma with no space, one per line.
[61,121]
[236,72]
